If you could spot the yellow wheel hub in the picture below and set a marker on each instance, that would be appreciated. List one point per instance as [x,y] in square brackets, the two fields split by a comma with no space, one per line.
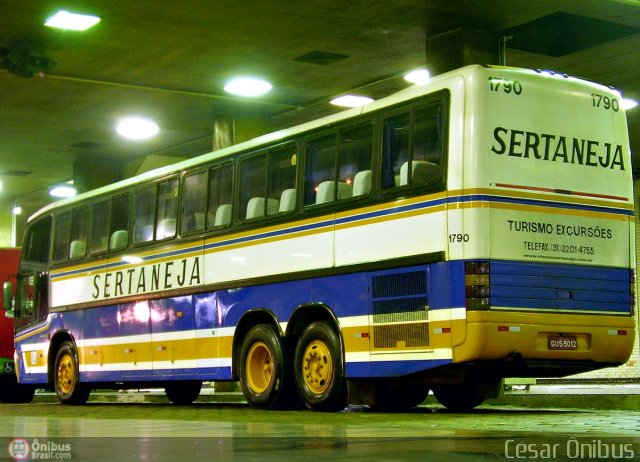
[67,374]
[259,367]
[318,367]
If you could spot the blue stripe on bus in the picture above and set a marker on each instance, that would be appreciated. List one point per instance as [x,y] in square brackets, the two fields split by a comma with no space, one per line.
[151,375]
[355,218]
[391,368]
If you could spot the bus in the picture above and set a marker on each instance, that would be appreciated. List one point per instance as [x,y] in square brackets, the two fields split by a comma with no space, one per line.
[476,227]
[10,390]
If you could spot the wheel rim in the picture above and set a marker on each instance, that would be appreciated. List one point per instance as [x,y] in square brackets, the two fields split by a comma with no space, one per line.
[67,376]
[318,367]
[259,367]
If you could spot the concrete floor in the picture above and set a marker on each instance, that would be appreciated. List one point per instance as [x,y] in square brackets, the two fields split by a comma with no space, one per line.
[212,431]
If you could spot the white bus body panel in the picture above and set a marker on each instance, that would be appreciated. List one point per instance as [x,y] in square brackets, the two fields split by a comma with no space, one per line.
[549,168]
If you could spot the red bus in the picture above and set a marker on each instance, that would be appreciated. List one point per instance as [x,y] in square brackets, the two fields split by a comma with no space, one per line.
[10,390]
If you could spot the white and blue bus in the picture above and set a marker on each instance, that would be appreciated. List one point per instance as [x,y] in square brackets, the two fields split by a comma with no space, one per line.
[473,228]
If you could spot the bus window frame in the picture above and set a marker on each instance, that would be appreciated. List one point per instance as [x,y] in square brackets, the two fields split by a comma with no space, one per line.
[336,131]
[443,98]
[201,170]
[155,185]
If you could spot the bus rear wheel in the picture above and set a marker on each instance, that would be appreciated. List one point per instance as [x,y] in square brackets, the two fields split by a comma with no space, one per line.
[66,376]
[183,392]
[264,369]
[397,395]
[463,397]
[319,369]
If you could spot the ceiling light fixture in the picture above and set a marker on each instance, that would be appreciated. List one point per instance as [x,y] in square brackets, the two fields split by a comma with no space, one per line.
[17,210]
[137,128]
[418,76]
[62,190]
[72,21]
[247,86]
[351,101]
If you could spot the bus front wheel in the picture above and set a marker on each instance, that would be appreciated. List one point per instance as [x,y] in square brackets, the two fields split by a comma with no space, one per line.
[319,369]
[66,376]
[264,369]
[13,392]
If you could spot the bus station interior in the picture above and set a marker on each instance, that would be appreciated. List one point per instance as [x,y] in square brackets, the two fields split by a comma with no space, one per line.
[63,91]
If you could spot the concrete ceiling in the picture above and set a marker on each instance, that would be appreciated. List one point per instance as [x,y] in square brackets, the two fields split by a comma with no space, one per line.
[170,60]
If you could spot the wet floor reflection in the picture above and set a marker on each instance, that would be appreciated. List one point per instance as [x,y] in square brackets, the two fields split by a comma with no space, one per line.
[211,432]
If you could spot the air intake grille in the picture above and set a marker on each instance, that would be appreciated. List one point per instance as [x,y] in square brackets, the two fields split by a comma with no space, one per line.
[399,310]
[400,336]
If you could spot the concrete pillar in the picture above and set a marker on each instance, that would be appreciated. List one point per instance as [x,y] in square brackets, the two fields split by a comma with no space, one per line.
[7,225]
[91,173]
[460,47]
[238,127]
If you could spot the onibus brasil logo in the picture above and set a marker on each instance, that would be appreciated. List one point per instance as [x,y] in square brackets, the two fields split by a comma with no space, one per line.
[22,449]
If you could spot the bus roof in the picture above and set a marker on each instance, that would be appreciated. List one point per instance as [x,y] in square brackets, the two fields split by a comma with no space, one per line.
[434,84]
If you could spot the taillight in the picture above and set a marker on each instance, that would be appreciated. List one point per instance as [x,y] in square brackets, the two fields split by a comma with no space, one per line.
[477,289]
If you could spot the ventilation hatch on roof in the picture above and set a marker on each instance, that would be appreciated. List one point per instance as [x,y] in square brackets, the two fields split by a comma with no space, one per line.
[321,58]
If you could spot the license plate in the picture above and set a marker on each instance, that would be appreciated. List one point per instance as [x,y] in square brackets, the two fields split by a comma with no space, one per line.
[563,342]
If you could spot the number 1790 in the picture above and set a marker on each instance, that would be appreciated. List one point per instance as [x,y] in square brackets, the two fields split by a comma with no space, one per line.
[458,237]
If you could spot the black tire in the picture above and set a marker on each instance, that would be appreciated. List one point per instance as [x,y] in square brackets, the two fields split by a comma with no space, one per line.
[461,397]
[66,376]
[398,395]
[319,369]
[183,392]
[264,370]
[12,392]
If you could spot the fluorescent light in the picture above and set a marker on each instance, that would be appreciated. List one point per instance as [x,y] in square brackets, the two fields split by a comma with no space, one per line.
[71,21]
[137,128]
[247,86]
[63,190]
[17,210]
[351,101]
[627,104]
[419,76]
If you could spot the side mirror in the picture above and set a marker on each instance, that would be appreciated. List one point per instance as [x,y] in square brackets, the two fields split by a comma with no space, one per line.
[7,297]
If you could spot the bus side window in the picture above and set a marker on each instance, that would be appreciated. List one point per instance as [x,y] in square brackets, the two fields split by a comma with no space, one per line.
[119,223]
[100,227]
[61,236]
[36,244]
[412,148]
[79,232]
[167,210]
[220,196]
[145,210]
[253,187]
[194,203]
[427,146]
[355,160]
[282,167]
[320,171]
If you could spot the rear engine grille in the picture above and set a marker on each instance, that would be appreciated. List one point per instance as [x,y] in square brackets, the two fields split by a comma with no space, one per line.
[399,310]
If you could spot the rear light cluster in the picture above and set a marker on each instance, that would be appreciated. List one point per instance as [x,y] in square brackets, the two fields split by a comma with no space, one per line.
[477,289]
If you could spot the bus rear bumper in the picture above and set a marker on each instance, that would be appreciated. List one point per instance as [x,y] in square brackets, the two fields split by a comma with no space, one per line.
[551,345]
